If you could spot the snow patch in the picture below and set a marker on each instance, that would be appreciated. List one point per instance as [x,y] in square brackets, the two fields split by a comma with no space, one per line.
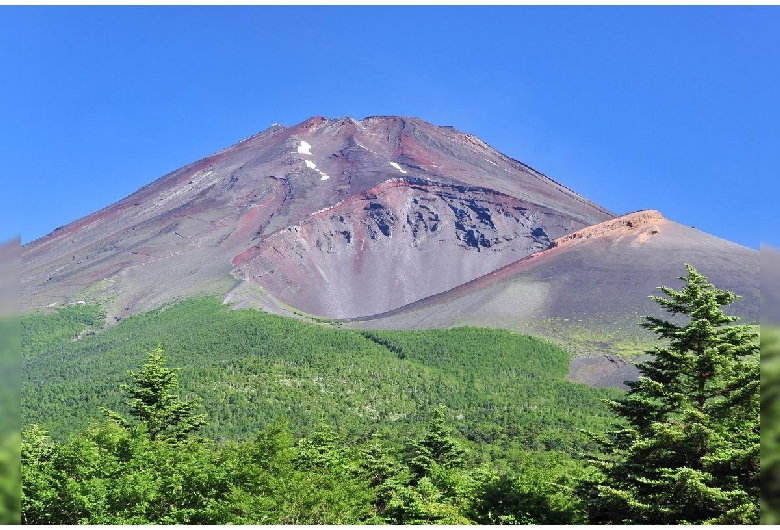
[327,208]
[312,165]
[366,148]
[398,167]
[304,148]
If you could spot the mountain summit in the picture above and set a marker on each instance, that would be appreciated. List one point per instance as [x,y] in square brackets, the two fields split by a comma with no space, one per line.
[385,222]
[337,218]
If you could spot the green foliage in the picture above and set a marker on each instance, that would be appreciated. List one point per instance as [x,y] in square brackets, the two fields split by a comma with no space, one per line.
[436,486]
[10,479]
[383,472]
[10,376]
[500,385]
[42,331]
[455,426]
[152,401]
[39,494]
[436,449]
[690,452]
[111,474]
[397,457]
[770,427]
[250,367]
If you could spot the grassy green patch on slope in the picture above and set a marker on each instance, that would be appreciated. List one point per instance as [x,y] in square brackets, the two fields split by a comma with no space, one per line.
[42,331]
[250,367]
[595,335]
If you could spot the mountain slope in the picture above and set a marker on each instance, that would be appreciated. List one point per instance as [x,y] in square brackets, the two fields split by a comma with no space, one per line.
[385,222]
[316,215]
[590,290]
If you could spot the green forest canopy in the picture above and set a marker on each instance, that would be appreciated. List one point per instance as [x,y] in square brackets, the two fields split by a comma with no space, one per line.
[683,446]
[250,367]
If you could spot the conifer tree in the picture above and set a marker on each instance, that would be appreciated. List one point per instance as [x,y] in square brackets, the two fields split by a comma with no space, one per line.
[437,447]
[689,452]
[154,402]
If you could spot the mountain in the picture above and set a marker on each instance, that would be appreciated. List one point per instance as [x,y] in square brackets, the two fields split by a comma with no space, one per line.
[318,215]
[385,222]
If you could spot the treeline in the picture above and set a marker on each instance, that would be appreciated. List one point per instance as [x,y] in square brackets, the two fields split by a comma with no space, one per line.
[770,427]
[504,445]
[108,474]
[359,410]
[10,480]
[250,368]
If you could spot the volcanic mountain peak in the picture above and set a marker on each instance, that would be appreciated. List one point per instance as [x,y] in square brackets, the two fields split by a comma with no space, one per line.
[383,222]
[339,218]
[410,145]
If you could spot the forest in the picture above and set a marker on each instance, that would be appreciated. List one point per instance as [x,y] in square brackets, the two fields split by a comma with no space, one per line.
[194,413]
[250,367]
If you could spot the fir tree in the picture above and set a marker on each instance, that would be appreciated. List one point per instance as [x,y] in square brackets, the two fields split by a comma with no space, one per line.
[437,448]
[153,401]
[690,450]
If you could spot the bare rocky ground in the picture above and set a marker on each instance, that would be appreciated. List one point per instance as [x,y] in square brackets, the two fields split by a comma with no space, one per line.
[603,371]
[383,222]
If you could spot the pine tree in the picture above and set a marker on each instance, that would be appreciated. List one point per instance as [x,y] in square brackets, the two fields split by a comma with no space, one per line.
[689,452]
[153,401]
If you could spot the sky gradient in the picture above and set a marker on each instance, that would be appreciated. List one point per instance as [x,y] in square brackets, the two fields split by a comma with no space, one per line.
[671,108]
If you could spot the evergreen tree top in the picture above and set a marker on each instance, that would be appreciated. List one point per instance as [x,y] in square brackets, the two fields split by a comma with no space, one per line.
[154,401]
[690,453]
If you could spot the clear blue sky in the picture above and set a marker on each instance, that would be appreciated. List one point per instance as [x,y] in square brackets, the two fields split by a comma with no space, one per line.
[673,108]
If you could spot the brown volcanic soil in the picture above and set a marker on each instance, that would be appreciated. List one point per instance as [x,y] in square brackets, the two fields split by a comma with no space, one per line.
[590,291]
[430,207]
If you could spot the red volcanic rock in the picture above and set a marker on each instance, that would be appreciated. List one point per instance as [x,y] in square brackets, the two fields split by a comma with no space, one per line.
[340,218]
[629,224]
[603,273]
